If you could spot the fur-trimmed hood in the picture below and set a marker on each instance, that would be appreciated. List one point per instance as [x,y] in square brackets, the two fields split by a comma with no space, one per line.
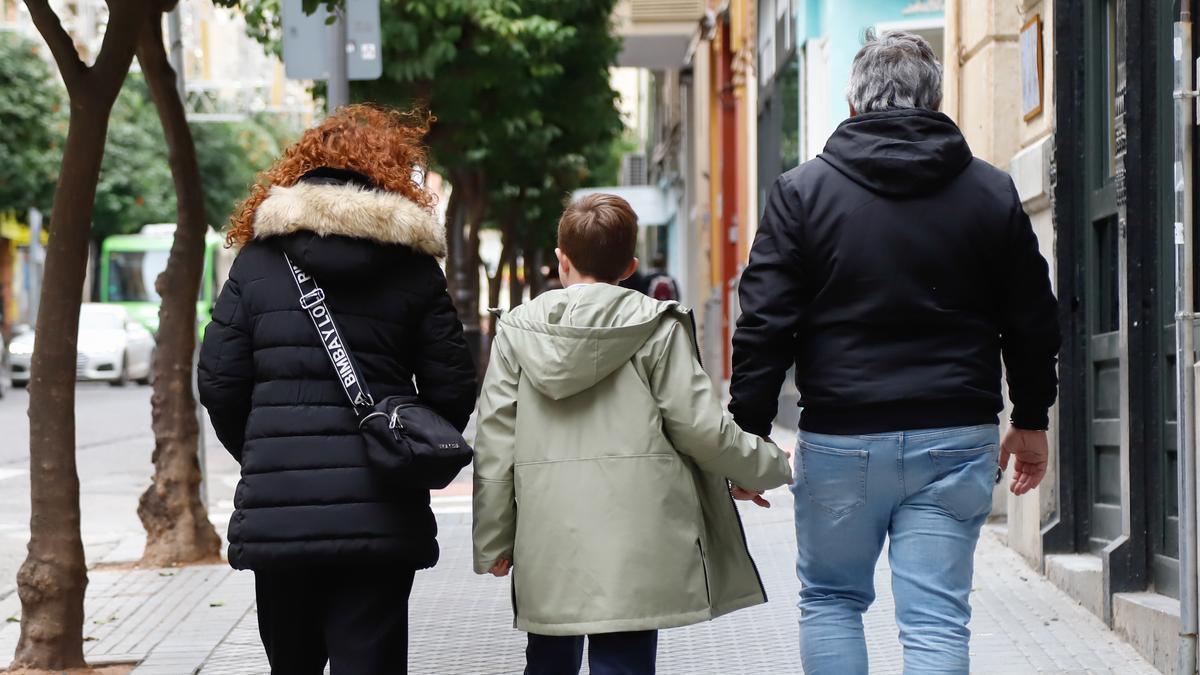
[349,210]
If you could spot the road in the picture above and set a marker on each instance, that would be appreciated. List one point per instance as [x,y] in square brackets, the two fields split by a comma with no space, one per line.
[114,446]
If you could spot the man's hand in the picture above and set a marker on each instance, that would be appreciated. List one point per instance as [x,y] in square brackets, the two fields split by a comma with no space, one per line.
[501,568]
[1032,451]
[742,494]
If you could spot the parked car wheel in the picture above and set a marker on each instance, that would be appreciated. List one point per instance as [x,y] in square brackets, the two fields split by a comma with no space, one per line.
[122,379]
[20,384]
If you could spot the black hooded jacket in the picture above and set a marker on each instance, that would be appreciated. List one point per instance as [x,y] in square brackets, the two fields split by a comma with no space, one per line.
[307,496]
[894,271]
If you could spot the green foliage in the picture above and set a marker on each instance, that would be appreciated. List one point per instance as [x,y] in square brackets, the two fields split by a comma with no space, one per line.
[520,90]
[264,18]
[608,170]
[508,80]
[263,22]
[136,186]
[571,145]
[32,126]
[230,155]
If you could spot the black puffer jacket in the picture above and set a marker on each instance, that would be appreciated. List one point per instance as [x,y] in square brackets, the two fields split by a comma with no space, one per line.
[894,271]
[307,496]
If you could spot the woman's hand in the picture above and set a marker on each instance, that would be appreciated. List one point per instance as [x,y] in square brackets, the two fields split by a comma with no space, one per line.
[501,568]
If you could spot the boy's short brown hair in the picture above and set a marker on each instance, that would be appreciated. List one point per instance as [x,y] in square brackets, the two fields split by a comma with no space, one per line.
[599,233]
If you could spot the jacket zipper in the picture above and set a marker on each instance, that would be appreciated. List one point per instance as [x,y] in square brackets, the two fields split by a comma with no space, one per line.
[691,315]
[513,592]
[746,545]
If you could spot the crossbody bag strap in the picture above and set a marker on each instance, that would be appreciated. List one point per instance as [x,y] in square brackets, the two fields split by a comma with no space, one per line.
[312,299]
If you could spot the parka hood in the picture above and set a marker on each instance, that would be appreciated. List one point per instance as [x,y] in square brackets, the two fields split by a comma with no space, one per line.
[899,153]
[328,207]
[567,340]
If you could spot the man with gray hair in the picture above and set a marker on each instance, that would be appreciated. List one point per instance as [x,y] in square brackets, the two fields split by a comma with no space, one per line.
[896,272]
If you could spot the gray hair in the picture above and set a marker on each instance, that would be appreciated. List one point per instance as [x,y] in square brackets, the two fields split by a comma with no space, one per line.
[895,70]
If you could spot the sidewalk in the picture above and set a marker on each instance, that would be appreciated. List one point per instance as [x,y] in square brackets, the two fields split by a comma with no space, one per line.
[202,619]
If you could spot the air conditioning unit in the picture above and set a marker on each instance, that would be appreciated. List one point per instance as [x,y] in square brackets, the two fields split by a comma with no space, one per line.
[634,169]
[667,10]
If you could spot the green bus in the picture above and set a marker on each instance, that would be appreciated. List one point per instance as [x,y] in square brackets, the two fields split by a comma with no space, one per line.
[130,263]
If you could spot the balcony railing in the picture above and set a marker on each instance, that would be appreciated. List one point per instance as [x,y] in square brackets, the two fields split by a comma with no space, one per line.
[666,10]
[656,33]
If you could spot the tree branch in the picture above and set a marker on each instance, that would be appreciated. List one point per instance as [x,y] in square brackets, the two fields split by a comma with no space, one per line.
[62,47]
[120,39]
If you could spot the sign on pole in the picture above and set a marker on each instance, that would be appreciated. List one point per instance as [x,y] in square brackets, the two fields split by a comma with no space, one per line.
[305,36]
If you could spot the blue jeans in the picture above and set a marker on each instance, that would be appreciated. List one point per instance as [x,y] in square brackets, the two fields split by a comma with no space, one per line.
[929,492]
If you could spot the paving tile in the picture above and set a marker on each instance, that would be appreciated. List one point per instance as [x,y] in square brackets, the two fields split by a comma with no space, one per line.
[202,619]
[462,623]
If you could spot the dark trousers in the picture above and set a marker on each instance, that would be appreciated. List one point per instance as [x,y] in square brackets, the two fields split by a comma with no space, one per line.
[356,619]
[608,654]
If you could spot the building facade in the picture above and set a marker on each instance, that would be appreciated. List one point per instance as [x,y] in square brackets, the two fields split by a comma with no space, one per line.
[1074,98]
[695,134]
[1095,168]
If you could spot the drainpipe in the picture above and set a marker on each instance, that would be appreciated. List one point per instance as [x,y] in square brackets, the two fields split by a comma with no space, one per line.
[1185,316]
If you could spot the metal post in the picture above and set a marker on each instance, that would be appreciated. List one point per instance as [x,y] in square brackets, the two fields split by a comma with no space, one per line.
[202,425]
[36,257]
[337,86]
[175,43]
[1184,337]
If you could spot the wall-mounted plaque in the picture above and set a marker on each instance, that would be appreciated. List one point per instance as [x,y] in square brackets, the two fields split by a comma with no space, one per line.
[1032,68]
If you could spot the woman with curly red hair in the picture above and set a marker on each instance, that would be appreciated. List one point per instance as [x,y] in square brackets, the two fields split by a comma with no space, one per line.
[333,546]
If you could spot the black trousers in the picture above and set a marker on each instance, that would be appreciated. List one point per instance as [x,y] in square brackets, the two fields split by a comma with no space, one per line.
[356,619]
[608,654]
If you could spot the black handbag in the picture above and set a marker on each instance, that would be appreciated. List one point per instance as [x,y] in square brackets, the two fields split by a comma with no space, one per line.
[406,441]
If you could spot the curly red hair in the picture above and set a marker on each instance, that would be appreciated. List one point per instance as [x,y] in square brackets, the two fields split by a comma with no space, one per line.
[381,143]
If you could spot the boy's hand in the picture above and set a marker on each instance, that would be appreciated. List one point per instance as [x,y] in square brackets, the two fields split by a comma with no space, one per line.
[786,453]
[742,494]
[501,568]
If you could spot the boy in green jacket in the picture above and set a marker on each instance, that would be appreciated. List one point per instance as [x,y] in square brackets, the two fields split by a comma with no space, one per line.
[603,463]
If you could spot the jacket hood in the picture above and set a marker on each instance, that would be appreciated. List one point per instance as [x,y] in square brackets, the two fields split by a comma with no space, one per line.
[899,153]
[329,208]
[567,340]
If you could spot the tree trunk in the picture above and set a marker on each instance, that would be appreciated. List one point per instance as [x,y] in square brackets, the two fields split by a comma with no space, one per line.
[465,212]
[516,287]
[496,280]
[459,214]
[453,243]
[171,509]
[476,214]
[53,578]
[508,254]
[533,274]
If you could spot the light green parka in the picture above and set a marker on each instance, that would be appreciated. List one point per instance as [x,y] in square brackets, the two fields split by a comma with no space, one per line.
[600,468]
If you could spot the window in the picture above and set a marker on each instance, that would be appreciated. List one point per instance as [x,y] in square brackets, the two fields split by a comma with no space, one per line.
[131,275]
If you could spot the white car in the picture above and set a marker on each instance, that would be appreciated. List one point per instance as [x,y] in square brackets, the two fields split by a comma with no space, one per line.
[112,348]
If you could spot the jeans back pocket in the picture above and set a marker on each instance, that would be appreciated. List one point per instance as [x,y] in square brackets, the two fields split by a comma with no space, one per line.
[835,478]
[964,480]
